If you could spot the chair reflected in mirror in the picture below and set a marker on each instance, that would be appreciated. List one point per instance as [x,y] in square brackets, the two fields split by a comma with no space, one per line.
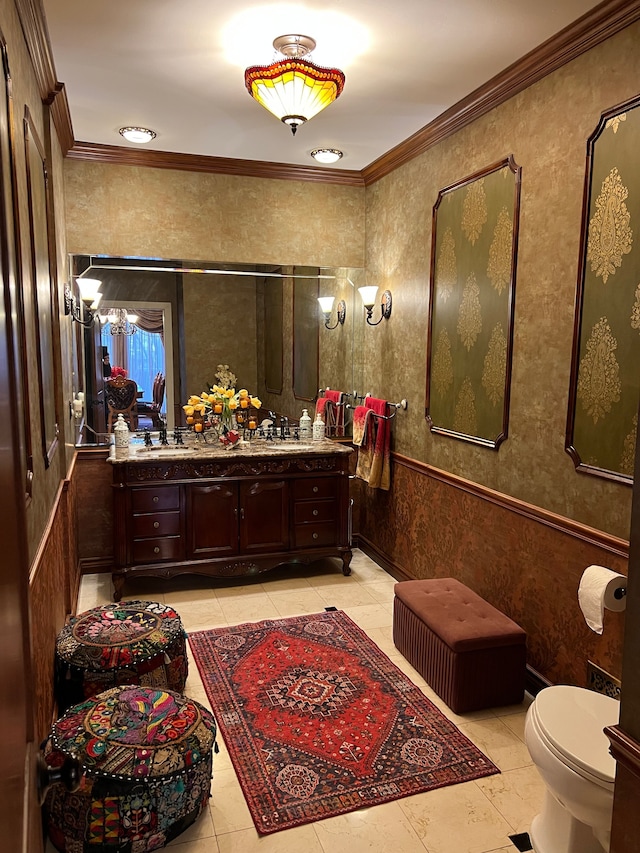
[122,398]
[150,413]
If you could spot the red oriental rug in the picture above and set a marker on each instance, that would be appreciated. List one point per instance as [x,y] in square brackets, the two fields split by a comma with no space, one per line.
[318,721]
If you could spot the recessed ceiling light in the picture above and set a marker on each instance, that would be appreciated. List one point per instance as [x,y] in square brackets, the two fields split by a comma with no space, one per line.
[138,134]
[326,155]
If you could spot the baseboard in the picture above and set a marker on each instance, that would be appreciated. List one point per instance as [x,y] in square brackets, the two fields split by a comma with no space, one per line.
[96,565]
[381,558]
[535,682]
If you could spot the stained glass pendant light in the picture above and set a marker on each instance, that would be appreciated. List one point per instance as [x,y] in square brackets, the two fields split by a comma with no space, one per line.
[293,88]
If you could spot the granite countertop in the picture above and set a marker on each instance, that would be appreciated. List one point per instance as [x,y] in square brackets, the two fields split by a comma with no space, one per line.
[194,449]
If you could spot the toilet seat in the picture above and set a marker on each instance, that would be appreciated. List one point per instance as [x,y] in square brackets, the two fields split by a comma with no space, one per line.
[570,720]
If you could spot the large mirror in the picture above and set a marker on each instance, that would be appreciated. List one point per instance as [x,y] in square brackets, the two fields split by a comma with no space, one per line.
[263,321]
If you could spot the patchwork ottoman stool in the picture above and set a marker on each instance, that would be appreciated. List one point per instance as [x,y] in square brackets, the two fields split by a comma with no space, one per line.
[471,654]
[147,759]
[131,642]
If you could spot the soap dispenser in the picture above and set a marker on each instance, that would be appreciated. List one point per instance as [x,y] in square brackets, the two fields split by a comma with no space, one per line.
[305,426]
[318,428]
[121,433]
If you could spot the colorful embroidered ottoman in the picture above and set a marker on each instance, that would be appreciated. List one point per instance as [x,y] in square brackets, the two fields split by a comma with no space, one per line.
[131,642]
[146,755]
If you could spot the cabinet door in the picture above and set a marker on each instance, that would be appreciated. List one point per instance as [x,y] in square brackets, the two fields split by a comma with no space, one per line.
[212,518]
[264,516]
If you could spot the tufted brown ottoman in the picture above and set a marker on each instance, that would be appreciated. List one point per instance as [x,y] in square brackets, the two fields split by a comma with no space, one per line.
[471,654]
[131,642]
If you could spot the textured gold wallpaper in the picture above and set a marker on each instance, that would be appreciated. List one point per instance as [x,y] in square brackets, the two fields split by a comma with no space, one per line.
[128,210]
[546,128]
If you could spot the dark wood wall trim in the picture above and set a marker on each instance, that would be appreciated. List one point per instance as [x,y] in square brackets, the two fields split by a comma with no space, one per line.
[213,165]
[589,535]
[591,29]
[624,749]
[34,28]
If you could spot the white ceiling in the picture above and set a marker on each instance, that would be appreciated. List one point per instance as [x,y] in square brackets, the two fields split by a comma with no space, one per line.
[177,66]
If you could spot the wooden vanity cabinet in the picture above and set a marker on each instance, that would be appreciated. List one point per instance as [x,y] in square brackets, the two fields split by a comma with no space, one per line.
[229,517]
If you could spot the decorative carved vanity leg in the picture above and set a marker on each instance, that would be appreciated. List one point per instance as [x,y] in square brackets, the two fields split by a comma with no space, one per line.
[346,559]
[118,586]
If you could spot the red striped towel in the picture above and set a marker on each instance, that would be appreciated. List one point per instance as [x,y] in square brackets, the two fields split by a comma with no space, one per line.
[374,455]
[337,400]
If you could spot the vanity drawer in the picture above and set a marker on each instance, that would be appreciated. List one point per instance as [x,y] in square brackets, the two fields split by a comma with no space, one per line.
[156,550]
[156,524]
[305,511]
[321,487]
[152,499]
[314,535]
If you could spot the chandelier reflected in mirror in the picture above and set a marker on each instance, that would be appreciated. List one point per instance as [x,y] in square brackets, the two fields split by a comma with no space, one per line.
[121,321]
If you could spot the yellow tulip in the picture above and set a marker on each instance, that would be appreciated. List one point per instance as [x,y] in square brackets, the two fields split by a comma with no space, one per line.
[230,392]
[243,393]
[255,402]
[204,395]
[193,400]
[189,410]
[233,404]
[200,408]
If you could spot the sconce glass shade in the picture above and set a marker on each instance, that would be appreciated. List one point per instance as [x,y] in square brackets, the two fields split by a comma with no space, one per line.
[326,303]
[96,301]
[132,318]
[88,288]
[368,295]
[294,89]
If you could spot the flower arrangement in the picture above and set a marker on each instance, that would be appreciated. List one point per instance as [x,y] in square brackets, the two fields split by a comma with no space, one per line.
[218,404]
[118,371]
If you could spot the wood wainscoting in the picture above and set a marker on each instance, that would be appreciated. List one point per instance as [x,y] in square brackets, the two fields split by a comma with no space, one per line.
[53,592]
[524,560]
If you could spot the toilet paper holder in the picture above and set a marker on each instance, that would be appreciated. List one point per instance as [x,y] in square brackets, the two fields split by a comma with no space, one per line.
[620,593]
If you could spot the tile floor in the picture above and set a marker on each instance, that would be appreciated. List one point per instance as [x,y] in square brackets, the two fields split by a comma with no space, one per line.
[473,817]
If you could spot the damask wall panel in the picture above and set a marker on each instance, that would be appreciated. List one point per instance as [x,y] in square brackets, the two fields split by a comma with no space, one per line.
[473,259]
[602,421]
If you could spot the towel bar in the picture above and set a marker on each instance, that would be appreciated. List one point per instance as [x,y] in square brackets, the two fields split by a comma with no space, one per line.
[395,406]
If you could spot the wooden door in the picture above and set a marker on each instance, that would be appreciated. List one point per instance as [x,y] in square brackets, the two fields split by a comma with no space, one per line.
[212,520]
[264,516]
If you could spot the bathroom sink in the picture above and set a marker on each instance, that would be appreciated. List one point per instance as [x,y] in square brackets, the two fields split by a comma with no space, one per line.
[288,446]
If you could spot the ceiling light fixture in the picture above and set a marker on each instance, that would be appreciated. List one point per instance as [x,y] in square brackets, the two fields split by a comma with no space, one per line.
[137,134]
[326,155]
[293,89]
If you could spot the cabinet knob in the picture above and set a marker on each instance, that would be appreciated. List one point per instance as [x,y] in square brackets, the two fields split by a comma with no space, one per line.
[315,536]
[156,550]
[315,512]
[156,524]
[315,489]
[155,499]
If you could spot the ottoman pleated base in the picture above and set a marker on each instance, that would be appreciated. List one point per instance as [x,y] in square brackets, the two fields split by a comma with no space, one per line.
[147,759]
[131,642]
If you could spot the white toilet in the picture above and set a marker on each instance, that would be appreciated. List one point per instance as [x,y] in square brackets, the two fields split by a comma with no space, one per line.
[564,735]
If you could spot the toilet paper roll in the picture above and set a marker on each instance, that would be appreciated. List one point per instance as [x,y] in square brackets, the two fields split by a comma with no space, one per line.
[597,591]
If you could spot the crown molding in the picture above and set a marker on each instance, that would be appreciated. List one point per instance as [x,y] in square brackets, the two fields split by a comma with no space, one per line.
[591,29]
[34,28]
[599,24]
[214,165]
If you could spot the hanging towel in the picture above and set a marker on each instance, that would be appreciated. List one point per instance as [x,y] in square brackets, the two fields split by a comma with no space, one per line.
[374,455]
[336,398]
[326,410]
[360,417]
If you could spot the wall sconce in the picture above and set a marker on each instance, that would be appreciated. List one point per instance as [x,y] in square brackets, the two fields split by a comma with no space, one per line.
[368,295]
[326,304]
[83,312]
